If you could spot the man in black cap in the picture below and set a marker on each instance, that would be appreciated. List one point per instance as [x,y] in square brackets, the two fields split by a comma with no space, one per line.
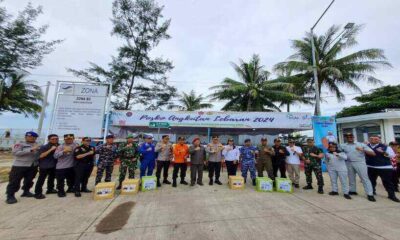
[24,166]
[47,167]
[84,157]
[107,155]
[65,165]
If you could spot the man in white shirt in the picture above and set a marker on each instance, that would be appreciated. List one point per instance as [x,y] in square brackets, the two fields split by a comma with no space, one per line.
[293,162]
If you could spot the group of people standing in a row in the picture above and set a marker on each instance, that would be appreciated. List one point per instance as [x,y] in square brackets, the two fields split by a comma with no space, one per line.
[74,163]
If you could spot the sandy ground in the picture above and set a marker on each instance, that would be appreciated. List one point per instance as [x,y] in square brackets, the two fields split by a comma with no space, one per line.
[203,212]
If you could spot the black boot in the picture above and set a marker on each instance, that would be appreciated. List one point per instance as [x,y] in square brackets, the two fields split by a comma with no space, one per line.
[320,190]
[70,190]
[371,198]
[166,181]
[158,182]
[184,182]
[78,194]
[120,185]
[174,182]
[347,196]
[211,182]
[40,196]
[27,194]
[51,191]
[254,182]
[61,194]
[394,198]
[85,190]
[353,193]
[11,199]
[308,187]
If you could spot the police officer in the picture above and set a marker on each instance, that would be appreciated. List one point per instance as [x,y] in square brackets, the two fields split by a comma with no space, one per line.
[65,165]
[47,167]
[24,166]
[107,154]
[313,156]
[84,157]
[128,154]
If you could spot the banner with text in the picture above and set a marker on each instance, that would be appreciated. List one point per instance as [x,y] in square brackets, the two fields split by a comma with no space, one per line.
[79,109]
[298,121]
[324,133]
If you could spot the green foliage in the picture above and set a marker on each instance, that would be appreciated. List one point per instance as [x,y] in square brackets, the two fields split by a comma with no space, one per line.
[136,77]
[21,49]
[191,102]
[21,96]
[374,102]
[254,91]
[334,70]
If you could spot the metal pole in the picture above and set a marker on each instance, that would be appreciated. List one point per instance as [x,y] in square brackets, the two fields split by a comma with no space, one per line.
[316,83]
[53,109]
[107,113]
[44,105]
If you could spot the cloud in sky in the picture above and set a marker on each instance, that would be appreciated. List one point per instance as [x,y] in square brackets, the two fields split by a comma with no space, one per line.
[207,35]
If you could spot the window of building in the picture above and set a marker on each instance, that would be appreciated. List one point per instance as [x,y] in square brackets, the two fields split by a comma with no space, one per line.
[396,132]
[363,133]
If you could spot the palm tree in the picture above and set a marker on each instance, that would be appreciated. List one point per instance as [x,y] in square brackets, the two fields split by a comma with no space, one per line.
[334,70]
[20,96]
[285,76]
[253,92]
[191,102]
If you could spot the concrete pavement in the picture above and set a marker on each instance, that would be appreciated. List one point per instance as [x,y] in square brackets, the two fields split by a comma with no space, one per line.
[203,212]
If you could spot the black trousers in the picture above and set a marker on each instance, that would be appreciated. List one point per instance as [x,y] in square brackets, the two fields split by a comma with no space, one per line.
[214,168]
[15,177]
[281,166]
[162,165]
[395,180]
[50,174]
[386,177]
[231,168]
[82,174]
[62,175]
[182,167]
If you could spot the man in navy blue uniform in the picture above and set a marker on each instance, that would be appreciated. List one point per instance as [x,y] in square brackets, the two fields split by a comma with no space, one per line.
[47,167]
[379,164]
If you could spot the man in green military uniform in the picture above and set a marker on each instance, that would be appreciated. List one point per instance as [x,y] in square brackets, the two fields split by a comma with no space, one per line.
[129,155]
[312,163]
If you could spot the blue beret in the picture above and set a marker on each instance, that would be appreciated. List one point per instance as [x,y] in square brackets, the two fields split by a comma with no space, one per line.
[31,134]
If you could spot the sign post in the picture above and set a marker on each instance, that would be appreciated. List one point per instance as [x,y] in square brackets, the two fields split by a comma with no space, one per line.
[79,109]
[159,125]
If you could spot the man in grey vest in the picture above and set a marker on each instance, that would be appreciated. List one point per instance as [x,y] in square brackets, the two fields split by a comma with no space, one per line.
[355,162]
[24,167]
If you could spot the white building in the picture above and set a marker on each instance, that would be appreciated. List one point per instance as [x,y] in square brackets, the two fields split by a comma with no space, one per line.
[386,124]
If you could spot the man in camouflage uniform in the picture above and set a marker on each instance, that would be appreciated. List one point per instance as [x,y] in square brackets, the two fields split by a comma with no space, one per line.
[312,163]
[128,154]
[107,154]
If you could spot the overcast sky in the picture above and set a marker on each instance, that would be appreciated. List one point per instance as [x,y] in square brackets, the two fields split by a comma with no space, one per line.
[207,35]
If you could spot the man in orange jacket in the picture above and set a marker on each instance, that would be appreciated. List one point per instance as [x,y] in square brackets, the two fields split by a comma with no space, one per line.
[181,153]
